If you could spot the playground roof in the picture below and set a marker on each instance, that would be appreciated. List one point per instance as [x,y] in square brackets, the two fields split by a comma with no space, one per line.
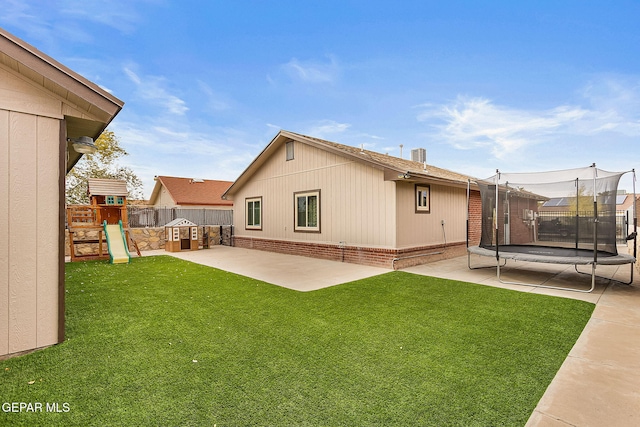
[106,187]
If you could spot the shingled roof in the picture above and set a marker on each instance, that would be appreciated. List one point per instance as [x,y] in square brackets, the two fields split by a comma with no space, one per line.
[391,162]
[395,168]
[192,191]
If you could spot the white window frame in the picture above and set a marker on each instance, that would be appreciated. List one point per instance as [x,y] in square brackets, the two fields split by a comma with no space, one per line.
[306,195]
[423,198]
[251,201]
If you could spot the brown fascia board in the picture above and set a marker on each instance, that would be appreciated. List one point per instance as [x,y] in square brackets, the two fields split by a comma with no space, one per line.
[334,150]
[284,135]
[255,164]
[391,172]
[54,71]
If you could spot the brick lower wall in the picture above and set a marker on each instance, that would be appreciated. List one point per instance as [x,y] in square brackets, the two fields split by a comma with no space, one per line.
[475,218]
[377,257]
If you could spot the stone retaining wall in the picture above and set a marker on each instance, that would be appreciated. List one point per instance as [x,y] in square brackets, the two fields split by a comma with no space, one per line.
[146,238]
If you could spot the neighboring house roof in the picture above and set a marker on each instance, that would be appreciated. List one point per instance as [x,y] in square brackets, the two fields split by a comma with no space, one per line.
[395,168]
[192,191]
[94,103]
[106,187]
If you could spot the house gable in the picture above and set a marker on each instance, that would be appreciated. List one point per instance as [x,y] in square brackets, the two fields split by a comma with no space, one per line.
[366,216]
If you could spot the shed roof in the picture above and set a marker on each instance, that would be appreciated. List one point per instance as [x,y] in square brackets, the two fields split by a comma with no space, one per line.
[180,222]
[107,187]
[395,168]
[192,191]
[98,106]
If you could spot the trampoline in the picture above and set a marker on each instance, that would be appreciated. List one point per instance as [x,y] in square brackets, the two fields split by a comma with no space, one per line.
[559,217]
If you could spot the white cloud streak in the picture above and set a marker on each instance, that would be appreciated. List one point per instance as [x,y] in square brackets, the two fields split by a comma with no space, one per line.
[326,128]
[151,88]
[312,71]
[478,123]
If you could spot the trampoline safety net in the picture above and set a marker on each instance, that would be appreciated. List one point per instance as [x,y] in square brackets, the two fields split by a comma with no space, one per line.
[573,208]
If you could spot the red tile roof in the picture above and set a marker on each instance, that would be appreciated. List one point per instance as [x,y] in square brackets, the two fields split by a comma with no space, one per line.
[192,191]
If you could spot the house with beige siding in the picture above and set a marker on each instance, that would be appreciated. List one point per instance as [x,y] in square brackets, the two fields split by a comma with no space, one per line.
[44,107]
[307,196]
[189,193]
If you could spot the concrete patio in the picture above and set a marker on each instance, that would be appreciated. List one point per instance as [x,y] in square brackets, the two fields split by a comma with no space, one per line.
[597,385]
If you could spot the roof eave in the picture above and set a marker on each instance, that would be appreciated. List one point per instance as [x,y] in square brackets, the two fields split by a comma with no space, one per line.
[52,70]
[257,162]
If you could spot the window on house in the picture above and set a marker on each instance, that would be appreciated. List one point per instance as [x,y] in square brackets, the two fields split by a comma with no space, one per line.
[289,149]
[254,213]
[120,200]
[307,211]
[423,199]
[111,200]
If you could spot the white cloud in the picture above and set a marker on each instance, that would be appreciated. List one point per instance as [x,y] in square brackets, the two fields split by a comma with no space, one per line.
[615,102]
[312,71]
[174,148]
[324,128]
[152,88]
[478,123]
[68,20]
[214,102]
[121,15]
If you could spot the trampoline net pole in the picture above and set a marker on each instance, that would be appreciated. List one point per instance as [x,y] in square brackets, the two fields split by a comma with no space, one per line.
[577,219]
[495,218]
[595,217]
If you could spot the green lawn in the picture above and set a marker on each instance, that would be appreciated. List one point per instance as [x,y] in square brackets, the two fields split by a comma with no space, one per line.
[164,342]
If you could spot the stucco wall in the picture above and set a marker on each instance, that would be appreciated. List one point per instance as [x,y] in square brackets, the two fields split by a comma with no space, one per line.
[448,204]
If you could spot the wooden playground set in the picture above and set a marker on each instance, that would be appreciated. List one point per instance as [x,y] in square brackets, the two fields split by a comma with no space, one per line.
[106,217]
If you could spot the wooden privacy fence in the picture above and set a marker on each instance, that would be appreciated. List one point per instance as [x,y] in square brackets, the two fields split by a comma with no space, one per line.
[140,217]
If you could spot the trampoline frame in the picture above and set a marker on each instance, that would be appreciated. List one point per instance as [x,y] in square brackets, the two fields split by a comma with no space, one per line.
[610,259]
[506,255]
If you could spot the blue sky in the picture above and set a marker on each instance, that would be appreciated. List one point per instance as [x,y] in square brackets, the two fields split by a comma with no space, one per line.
[481,85]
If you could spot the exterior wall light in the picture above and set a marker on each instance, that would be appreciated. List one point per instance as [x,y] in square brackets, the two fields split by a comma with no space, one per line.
[83,145]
